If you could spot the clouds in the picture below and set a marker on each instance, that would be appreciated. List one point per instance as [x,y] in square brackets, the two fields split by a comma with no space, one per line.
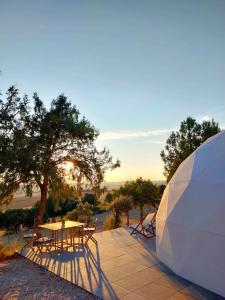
[157,142]
[204,118]
[123,135]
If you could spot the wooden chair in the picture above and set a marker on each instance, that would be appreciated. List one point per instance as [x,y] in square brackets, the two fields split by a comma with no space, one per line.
[36,239]
[89,232]
[147,226]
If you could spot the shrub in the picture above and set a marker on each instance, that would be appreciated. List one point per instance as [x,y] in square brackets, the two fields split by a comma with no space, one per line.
[109,197]
[83,209]
[89,198]
[120,205]
[8,249]
[68,205]
[110,222]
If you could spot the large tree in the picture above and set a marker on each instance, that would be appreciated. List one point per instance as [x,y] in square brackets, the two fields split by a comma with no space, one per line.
[184,141]
[142,192]
[35,142]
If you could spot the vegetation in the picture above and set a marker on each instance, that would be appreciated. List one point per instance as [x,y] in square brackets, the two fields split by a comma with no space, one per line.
[83,209]
[7,250]
[110,222]
[90,198]
[35,142]
[142,192]
[11,219]
[109,197]
[183,142]
[120,205]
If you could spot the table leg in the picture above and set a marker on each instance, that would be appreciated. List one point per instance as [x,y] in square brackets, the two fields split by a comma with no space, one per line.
[62,240]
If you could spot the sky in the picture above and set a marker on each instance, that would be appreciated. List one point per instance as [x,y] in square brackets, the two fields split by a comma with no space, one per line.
[135,69]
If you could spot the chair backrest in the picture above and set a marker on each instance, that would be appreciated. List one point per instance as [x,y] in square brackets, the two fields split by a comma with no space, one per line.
[83,219]
[95,222]
[150,218]
[36,232]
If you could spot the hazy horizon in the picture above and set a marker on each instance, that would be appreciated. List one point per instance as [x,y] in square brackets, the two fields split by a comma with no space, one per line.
[135,69]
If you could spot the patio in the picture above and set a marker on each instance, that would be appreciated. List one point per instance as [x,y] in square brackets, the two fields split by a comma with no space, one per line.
[119,266]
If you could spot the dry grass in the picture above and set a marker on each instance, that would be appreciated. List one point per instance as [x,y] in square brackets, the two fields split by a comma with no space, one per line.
[8,250]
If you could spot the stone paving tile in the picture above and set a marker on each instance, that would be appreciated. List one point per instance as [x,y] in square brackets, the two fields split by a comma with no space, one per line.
[180,296]
[147,261]
[115,262]
[131,267]
[173,281]
[138,279]
[162,268]
[120,266]
[198,292]
[115,275]
[133,296]
[155,291]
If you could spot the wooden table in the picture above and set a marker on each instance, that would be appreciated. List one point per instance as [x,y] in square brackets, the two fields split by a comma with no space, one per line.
[63,229]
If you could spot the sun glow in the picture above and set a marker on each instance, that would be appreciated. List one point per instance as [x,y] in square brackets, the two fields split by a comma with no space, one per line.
[68,166]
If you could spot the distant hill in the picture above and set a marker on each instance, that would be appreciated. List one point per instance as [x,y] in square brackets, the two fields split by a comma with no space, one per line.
[115,185]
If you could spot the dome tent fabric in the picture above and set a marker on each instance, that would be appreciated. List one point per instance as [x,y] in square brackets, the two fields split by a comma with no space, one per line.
[190,223]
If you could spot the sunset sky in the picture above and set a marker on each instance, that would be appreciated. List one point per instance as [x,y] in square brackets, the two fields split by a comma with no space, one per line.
[135,69]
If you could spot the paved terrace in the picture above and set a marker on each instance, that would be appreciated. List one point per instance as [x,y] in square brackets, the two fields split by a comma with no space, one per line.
[120,266]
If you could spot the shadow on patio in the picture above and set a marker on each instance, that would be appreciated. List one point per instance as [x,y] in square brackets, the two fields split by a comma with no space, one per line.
[119,266]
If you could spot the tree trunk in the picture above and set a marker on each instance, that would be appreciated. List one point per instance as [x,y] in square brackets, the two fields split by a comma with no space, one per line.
[128,219]
[141,214]
[42,205]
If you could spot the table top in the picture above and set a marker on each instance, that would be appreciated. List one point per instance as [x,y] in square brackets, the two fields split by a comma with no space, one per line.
[60,226]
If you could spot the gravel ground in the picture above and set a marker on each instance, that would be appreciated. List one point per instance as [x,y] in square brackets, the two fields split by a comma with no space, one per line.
[21,279]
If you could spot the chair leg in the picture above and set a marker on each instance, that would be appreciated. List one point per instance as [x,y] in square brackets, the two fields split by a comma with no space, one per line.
[90,237]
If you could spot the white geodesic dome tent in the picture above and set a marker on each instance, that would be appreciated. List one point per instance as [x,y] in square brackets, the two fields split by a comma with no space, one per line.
[190,223]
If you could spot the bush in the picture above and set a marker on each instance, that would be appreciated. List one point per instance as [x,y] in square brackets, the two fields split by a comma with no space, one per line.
[109,197]
[8,249]
[110,222]
[120,205]
[62,208]
[68,205]
[90,198]
[83,209]
[13,218]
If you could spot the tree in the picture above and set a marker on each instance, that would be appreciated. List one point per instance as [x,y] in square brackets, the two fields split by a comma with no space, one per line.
[90,198]
[143,192]
[122,204]
[83,209]
[183,142]
[109,197]
[36,142]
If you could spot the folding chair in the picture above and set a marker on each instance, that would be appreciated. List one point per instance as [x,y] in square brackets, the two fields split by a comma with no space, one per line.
[36,239]
[147,226]
[89,232]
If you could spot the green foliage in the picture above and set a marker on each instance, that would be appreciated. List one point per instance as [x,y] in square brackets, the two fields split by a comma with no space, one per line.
[13,218]
[68,205]
[183,142]
[120,205]
[161,189]
[83,209]
[110,222]
[89,198]
[54,209]
[109,197]
[142,192]
[35,142]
